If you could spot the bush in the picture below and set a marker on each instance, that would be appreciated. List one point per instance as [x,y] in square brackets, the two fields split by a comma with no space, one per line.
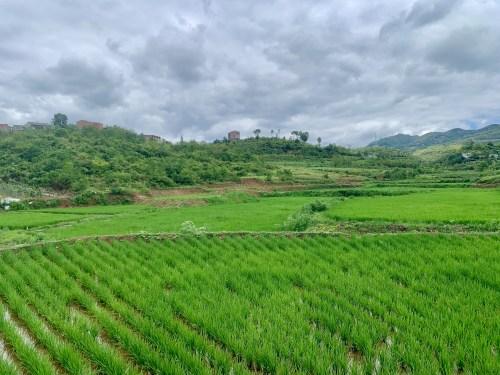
[188,228]
[299,221]
[318,206]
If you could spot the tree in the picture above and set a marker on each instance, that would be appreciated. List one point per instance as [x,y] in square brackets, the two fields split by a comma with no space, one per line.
[304,136]
[300,135]
[319,141]
[60,119]
[272,133]
[257,133]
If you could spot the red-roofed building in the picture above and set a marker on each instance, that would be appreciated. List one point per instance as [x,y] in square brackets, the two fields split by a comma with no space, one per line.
[81,124]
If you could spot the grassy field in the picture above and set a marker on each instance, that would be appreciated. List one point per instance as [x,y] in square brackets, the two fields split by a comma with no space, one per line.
[440,205]
[221,212]
[26,219]
[266,214]
[268,304]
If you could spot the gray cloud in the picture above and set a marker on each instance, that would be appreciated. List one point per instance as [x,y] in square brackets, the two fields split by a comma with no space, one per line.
[348,71]
[92,85]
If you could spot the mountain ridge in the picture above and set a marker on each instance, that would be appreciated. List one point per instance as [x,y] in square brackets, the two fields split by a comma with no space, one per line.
[490,133]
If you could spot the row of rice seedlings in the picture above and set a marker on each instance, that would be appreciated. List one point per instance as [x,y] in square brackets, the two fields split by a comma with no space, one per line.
[7,365]
[431,242]
[260,283]
[143,354]
[159,272]
[161,341]
[428,337]
[218,358]
[246,242]
[285,283]
[27,355]
[423,310]
[45,295]
[66,356]
[159,262]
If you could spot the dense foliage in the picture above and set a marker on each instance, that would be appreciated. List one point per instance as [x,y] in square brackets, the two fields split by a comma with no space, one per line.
[70,159]
[67,159]
[73,159]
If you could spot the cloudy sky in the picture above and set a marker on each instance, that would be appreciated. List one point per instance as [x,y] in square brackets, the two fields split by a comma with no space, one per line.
[348,71]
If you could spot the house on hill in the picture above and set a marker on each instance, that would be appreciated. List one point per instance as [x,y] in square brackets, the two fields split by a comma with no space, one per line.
[4,128]
[152,137]
[82,124]
[37,125]
[233,135]
[18,128]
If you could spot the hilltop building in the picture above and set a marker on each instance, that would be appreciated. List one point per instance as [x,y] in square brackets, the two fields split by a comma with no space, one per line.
[152,137]
[17,128]
[82,124]
[233,135]
[37,125]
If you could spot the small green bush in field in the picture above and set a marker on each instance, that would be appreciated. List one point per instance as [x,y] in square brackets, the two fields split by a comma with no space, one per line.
[318,206]
[188,228]
[303,219]
[299,221]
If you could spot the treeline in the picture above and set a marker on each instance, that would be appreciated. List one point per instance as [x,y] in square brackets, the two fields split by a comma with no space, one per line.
[71,159]
[472,155]
[65,158]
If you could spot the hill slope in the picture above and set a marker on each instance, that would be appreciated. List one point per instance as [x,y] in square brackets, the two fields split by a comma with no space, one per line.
[489,133]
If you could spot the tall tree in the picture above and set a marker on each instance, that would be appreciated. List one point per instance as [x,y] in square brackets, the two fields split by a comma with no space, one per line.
[257,133]
[319,141]
[60,119]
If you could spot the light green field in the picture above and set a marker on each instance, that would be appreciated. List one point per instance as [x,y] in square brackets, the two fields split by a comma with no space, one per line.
[421,304]
[266,214]
[441,205]
[26,219]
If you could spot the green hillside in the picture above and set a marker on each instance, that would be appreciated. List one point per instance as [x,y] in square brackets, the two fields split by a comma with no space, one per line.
[489,133]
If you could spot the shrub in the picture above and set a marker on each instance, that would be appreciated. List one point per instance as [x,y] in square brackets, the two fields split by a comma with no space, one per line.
[318,206]
[188,228]
[299,221]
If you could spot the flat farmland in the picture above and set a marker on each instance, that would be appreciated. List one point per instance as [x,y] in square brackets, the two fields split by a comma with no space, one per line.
[439,205]
[253,304]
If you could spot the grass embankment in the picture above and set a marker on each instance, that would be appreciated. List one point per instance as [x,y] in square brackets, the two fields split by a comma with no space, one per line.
[320,304]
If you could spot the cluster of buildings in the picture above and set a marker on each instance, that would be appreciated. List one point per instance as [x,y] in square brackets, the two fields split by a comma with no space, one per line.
[233,135]
[28,125]
[81,124]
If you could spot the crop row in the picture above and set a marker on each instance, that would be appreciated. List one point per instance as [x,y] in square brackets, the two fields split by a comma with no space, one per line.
[318,304]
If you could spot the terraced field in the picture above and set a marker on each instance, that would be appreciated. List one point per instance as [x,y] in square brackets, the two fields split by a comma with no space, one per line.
[253,304]
[439,205]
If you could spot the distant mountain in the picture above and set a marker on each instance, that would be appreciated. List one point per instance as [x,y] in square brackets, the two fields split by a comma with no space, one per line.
[490,133]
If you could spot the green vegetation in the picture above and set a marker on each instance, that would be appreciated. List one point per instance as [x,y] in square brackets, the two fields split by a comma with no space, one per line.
[375,209]
[489,133]
[443,205]
[319,304]
[127,256]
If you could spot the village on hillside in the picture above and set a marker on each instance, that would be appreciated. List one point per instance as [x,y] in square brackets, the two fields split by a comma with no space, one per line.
[80,124]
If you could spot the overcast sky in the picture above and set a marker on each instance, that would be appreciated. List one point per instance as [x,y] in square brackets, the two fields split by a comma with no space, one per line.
[348,71]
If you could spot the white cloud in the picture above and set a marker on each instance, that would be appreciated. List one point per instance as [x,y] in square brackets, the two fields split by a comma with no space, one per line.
[347,71]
